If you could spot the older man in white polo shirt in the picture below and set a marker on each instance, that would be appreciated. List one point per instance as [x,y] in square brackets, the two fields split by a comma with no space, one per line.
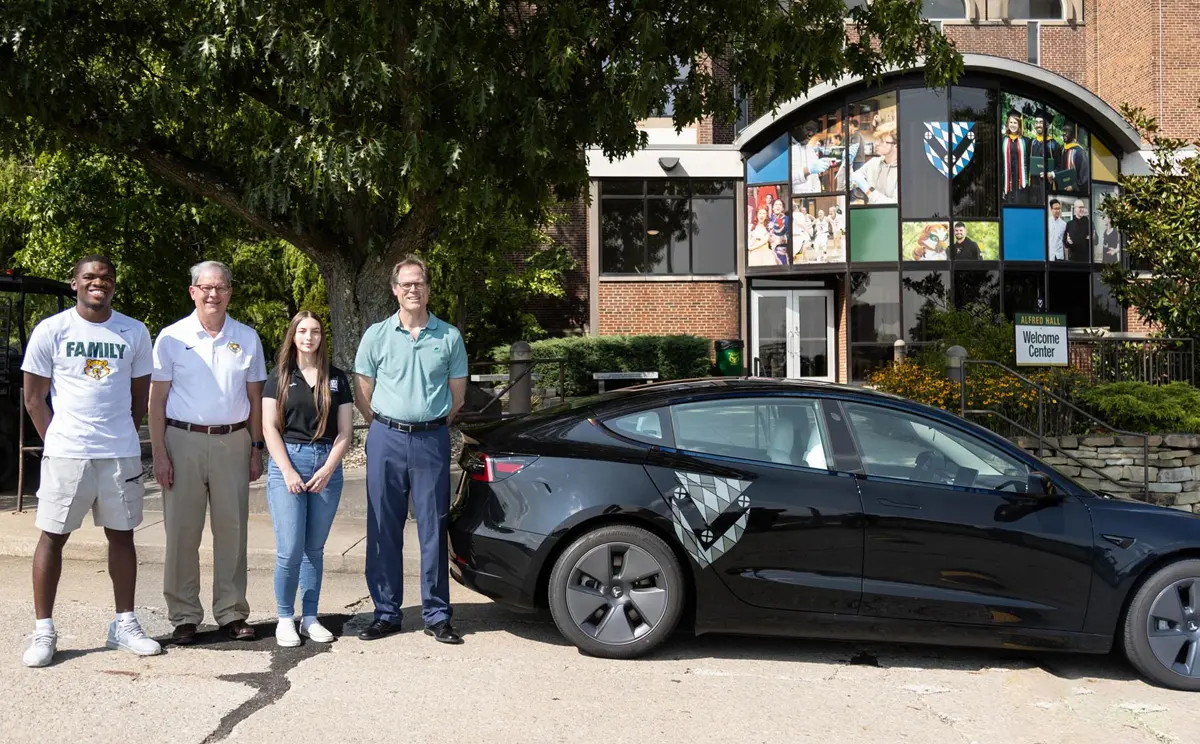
[206,432]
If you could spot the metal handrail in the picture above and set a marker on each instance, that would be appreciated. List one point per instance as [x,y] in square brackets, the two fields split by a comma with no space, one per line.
[1041,432]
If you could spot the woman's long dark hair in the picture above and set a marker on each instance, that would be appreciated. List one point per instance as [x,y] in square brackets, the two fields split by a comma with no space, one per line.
[285,366]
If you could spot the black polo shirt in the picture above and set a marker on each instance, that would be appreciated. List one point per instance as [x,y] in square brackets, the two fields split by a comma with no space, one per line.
[300,420]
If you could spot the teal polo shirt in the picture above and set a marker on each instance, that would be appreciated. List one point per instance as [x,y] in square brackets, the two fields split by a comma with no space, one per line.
[412,377]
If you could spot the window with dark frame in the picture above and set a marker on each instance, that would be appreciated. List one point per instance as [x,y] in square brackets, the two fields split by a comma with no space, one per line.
[668,227]
[1041,10]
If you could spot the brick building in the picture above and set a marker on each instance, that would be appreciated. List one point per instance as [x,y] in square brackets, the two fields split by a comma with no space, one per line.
[821,234]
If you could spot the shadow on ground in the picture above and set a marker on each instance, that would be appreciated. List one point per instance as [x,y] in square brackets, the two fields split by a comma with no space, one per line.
[539,628]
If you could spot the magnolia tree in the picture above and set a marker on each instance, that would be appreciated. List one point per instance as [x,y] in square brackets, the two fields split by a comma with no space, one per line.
[360,131]
[1158,216]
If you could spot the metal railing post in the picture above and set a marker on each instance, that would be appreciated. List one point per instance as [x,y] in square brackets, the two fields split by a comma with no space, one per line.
[1041,425]
[20,449]
[520,395]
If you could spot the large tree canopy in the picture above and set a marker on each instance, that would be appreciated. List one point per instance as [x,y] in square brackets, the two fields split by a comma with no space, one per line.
[1158,216]
[361,130]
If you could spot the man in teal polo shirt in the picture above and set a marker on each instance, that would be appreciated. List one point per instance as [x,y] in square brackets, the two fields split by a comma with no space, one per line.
[411,371]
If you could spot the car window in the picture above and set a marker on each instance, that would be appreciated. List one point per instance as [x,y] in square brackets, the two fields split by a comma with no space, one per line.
[645,426]
[782,431]
[901,445]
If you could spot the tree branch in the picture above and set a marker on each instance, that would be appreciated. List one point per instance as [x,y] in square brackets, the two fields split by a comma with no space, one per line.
[201,180]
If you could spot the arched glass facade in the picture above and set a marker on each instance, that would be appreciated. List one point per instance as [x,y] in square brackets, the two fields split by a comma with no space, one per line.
[906,198]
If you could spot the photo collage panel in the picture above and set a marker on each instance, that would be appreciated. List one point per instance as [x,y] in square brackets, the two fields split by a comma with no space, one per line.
[819,156]
[770,232]
[987,175]
[875,140]
[818,229]
[1106,240]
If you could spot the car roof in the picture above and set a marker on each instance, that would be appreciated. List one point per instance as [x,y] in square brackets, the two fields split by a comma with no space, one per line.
[667,393]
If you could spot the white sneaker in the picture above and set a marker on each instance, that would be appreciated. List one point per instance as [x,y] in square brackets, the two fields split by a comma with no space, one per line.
[285,633]
[41,649]
[317,632]
[127,635]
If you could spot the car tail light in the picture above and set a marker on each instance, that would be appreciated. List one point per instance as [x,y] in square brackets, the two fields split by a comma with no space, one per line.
[490,468]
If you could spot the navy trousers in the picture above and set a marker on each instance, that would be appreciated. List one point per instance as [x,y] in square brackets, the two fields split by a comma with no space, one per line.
[400,464]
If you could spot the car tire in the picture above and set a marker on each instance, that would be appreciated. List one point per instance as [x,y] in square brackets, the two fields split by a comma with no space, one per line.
[1153,597]
[632,617]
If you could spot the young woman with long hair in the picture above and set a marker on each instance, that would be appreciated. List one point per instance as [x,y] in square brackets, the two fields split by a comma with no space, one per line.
[307,425]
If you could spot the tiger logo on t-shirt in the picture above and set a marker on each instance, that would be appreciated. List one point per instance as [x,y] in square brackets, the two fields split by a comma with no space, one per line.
[97,369]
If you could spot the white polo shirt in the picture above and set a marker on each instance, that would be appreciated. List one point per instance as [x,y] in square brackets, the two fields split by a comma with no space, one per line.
[208,374]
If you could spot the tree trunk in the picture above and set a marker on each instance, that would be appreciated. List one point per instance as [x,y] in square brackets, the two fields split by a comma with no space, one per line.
[358,297]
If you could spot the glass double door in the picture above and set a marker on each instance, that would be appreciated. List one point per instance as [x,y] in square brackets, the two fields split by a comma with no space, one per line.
[793,333]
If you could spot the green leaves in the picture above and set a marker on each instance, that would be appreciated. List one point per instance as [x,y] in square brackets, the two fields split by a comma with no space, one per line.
[359,130]
[302,107]
[1158,216]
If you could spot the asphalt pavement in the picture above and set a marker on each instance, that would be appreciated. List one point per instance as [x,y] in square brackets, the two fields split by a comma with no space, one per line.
[515,679]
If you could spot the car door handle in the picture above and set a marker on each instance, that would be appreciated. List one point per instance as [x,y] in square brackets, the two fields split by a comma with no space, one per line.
[899,504]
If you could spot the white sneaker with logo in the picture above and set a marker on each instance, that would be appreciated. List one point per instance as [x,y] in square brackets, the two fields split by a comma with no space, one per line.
[317,632]
[285,633]
[41,649]
[127,635]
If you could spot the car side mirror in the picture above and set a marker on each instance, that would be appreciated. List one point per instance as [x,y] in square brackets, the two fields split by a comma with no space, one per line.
[1040,484]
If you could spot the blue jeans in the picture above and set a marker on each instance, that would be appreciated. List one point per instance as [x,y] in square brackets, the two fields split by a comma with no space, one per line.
[302,521]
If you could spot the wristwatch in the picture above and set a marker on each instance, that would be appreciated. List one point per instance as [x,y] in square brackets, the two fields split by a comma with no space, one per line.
[258,445]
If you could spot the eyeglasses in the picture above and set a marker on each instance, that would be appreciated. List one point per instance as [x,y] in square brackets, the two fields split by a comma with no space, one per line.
[210,288]
[406,286]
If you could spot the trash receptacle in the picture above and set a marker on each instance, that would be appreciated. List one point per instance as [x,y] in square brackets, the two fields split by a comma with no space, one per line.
[731,361]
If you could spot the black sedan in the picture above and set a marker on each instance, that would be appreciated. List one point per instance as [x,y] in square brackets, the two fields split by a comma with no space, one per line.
[812,510]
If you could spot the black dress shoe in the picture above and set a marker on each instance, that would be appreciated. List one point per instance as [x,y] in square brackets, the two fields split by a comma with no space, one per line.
[377,630]
[443,633]
[184,634]
[238,630]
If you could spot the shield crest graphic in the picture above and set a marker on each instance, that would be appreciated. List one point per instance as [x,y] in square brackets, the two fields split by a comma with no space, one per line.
[946,144]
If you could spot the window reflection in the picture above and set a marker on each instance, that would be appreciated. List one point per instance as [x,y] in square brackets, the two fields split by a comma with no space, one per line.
[924,294]
[978,288]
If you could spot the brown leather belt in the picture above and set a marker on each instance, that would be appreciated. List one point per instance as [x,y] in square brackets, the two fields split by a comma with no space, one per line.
[202,429]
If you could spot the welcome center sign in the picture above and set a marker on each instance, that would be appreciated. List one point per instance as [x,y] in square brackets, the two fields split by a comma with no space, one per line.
[1041,340]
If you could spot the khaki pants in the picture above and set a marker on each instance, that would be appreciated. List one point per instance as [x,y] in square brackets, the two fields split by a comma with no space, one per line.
[210,470]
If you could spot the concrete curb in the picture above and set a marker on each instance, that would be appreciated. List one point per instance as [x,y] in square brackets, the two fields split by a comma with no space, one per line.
[345,550]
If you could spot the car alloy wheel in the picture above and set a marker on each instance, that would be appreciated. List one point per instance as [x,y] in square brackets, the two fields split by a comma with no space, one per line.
[1173,630]
[1162,626]
[617,593]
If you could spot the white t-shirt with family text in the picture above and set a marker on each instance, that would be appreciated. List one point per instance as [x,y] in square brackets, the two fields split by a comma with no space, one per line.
[90,366]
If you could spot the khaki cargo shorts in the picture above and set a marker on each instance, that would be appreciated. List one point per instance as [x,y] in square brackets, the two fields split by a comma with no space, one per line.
[111,489]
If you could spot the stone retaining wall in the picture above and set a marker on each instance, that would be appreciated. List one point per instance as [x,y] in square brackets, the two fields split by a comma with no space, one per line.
[1173,465]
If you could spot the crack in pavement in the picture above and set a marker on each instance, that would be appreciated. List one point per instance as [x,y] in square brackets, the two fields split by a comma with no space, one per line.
[271,685]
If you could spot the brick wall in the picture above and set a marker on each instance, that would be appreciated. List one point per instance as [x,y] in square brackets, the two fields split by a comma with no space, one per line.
[1181,83]
[709,131]
[1125,47]
[707,309]
[1135,323]
[1064,50]
[1000,41]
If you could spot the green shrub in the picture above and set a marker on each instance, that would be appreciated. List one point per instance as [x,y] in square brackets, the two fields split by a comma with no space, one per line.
[673,357]
[984,333]
[1141,407]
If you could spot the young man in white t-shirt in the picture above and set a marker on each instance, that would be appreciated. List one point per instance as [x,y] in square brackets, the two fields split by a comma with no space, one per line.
[95,365]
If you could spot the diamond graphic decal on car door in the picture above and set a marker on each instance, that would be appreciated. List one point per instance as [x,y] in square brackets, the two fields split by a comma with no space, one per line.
[709,514]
